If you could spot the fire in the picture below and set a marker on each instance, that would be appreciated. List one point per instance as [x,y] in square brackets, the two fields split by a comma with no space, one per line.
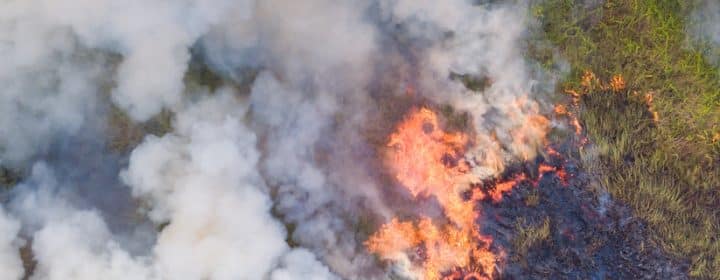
[617,83]
[551,151]
[588,79]
[561,110]
[443,247]
[429,163]
[544,168]
[528,136]
[424,158]
[649,103]
[559,172]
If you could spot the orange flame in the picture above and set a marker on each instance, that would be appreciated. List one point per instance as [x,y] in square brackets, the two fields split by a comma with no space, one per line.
[424,158]
[543,168]
[649,103]
[429,162]
[561,110]
[560,172]
[617,83]
[588,79]
[529,135]
[551,151]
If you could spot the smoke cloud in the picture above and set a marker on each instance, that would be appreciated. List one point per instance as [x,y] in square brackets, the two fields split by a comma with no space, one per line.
[275,175]
[703,27]
[204,190]
[10,263]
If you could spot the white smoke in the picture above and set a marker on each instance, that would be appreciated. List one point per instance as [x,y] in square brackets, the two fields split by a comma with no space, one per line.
[237,169]
[205,192]
[203,181]
[48,88]
[68,242]
[301,264]
[703,26]
[310,41]
[52,72]
[153,38]
[10,263]
[318,205]
[483,41]
[318,61]
[49,81]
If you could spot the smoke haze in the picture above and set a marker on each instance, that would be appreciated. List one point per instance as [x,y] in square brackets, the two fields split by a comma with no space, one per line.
[272,175]
[704,27]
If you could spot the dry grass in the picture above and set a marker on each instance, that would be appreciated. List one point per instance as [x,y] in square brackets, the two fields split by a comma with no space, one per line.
[651,132]
[528,236]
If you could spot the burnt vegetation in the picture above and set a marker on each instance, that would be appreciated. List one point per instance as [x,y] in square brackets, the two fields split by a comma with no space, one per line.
[655,142]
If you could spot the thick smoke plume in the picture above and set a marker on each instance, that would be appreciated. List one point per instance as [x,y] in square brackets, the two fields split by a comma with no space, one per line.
[274,175]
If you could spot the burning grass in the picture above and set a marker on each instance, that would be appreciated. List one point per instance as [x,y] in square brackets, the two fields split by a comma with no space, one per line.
[428,161]
[675,194]
[652,131]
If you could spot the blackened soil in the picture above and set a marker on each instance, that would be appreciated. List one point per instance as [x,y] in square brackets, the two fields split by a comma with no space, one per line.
[590,237]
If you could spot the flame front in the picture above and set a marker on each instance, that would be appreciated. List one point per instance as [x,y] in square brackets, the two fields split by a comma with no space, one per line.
[429,162]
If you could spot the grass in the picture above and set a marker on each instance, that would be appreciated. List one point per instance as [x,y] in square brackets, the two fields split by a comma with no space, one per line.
[667,170]
[529,236]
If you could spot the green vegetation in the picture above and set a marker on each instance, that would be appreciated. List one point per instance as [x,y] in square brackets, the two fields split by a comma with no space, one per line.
[667,170]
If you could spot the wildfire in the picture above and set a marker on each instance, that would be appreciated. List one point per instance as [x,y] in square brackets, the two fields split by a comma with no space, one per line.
[424,158]
[429,162]
[589,79]
[590,83]
[651,108]
[559,172]
[617,83]
[561,110]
